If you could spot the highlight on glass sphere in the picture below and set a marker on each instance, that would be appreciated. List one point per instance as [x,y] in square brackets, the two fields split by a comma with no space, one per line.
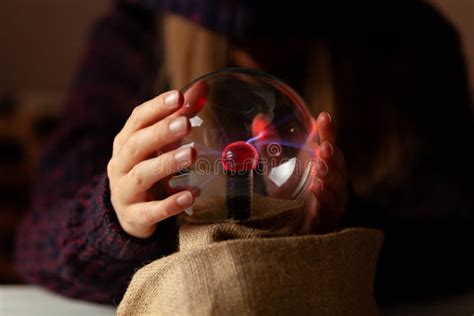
[255,142]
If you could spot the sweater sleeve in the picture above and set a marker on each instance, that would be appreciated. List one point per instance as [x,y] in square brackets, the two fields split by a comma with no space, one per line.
[70,240]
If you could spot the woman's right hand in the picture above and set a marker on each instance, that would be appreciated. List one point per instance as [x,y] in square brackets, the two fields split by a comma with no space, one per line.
[134,167]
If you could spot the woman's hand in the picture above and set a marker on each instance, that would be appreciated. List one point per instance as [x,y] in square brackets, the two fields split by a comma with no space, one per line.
[330,184]
[135,167]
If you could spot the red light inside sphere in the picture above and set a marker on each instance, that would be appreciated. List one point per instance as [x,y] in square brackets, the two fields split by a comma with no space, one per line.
[259,123]
[239,156]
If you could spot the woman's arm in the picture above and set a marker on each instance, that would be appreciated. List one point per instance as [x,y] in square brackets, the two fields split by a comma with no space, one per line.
[70,241]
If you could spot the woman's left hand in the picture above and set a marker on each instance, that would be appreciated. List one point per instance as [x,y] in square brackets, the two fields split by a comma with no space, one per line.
[330,183]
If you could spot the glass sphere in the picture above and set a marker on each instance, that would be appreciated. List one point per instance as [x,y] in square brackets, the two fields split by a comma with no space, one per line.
[255,142]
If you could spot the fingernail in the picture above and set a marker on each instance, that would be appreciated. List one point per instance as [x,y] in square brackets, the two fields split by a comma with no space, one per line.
[185,199]
[171,99]
[329,116]
[189,211]
[183,157]
[322,168]
[327,147]
[179,125]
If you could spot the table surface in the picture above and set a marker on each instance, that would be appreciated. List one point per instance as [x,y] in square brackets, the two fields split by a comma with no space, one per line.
[16,300]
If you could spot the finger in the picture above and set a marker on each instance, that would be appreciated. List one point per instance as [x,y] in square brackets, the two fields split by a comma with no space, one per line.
[322,192]
[150,213]
[149,140]
[325,128]
[331,178]
[146,173]
[147,114]
[311,143]
[333,156]
[194,99]
[338,188]
[327,216]
[331,173]
[324,195]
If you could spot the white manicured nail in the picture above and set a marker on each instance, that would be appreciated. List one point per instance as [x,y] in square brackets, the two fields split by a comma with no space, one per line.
[185,199]
[179,125]
[171,99]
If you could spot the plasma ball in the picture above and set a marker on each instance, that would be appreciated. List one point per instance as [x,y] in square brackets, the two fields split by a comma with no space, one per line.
[254,139]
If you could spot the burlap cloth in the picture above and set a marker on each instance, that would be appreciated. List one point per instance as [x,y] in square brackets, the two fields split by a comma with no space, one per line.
[259,267]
